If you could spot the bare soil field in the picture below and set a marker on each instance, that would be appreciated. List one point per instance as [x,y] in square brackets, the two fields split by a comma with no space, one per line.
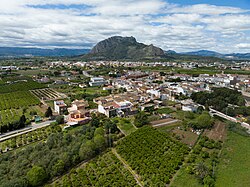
[218,132]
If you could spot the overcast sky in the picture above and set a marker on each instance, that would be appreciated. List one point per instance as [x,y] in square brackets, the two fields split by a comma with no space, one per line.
[180,25]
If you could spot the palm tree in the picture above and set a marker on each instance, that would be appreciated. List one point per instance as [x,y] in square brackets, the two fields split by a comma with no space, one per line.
[201,170]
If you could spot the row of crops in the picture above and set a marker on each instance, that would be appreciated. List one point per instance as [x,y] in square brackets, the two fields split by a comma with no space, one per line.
[106,170]
[17,100]
[27,138]
[46,94]
[153,155]
[9,116]
[20,86]
[13,115]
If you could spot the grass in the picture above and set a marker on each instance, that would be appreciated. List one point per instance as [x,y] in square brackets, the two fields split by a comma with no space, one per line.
[165,110]
[233,169]
[33,72]
[167,128]
[186,137]
[184,179]
[126,126]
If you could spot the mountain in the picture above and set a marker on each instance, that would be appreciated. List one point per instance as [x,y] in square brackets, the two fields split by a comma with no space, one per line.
[117,48]
[170,52]
[205,53]
[232,56]
[26,52]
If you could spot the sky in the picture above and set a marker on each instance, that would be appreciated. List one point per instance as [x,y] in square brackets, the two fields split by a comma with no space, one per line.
[180,25]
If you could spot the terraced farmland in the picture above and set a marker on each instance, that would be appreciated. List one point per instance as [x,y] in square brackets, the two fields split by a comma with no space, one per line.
[48,94]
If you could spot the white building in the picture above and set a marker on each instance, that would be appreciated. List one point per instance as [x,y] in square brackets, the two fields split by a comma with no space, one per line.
[97,81]
[60,107]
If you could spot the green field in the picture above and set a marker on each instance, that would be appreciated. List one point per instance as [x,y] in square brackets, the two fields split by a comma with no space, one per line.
[21,85]
[153,155]
[16,100]
[234,166]
[126,126]
[13,115]
[165,110]
[106,170]
[183,179]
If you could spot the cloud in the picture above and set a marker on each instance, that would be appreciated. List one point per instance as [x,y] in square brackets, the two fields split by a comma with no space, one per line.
[82,23]
[206,9]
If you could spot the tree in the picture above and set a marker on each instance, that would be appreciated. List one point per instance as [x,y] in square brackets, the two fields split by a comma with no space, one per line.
[95,122]
[60,119]
[58,168]
[36,176]
[200,109]
[110,126]
[203,121]
[208,181]
[141,119]
[87,150]
[22,121]
[201,170]
[48,112]
[100,142]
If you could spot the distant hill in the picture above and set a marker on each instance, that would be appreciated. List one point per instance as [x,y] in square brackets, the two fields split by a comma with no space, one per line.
[205,53]
[27,52]
[233,56]
[242,56]
[117,48]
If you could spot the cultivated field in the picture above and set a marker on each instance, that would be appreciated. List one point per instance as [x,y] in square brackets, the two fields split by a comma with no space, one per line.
[48,94]
[152,155]
[16,100]
[20,85]
[218,132]
[106,170]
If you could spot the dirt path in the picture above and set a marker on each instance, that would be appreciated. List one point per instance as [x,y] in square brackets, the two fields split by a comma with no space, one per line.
[136,176]
[166,123]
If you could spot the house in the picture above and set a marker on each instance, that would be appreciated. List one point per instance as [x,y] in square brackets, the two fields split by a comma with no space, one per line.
[189,108]
[97,81]
[78,113]
[60,107]
[117,105]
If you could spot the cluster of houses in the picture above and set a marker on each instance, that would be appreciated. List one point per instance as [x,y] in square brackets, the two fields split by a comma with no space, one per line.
[147,90]
[77,114]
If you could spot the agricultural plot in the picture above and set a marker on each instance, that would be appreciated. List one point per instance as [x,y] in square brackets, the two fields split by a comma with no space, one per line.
[48,94]
[200,166]
[126,126]
[9,116]
[20,85]
[234,164]
[106,170]
[17,100]
[153,155]
[27,138]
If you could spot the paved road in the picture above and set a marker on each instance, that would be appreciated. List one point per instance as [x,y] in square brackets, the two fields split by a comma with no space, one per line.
[243,124]
[85,73]
[33,127]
